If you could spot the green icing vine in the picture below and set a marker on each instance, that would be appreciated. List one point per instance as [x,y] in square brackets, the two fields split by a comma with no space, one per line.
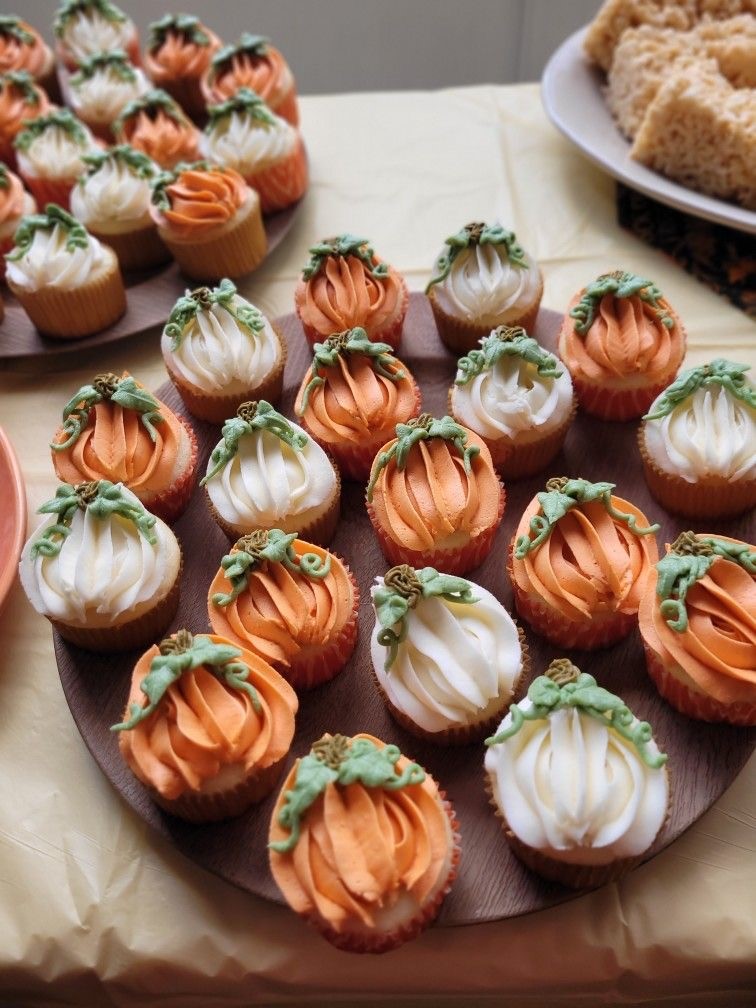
[188,307]
[477,233]
[622,285]
[420,429]
[179,654]
[273,546]
[562,494]
[102,499]
[403,586]
[70,9]
[689,558]
[54,216]
[23,82]
[728,374]
[4,176]
[115,59]
[339,760]
[122,391]
[343,245]
[11,27]
[245,101]
[252,416]
[506,341]
[59,118]
[187,25]
[141,166]
[351,341]
[564,686]
[255,46]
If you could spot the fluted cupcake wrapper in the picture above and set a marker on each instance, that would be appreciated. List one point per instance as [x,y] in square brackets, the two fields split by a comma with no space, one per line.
[283,183]
[45,190]
[390,333]
[172,501]
[607,403]
[136,250]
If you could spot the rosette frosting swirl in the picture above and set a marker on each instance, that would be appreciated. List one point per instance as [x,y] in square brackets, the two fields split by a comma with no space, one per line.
[200,199]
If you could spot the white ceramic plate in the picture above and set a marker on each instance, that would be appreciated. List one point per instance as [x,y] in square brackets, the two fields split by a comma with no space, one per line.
[572,96]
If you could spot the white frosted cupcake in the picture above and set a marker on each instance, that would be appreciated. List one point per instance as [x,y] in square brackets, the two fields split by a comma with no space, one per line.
[577,780]
[102,87]
[112,200]
[101,568]
[50,154]
[221,351]
[698,442]
[483,279]
[86,27]
[268,473]
[447,656]
[517,397]
[67,282]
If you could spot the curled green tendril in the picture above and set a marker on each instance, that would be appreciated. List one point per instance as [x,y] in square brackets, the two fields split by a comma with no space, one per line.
[726,373]
[62,119]
[273,546]
[189,306]
[622,285]
[123,392]
[477,234]
[245,101]
[70,9]
[54,216]
[506,342]
[187,26]
[344,245]
[115,59]
[351,341]
[252,417]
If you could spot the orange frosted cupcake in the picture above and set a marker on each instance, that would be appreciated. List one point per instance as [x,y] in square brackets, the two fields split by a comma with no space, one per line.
[353,397]
[156,125]
[178,54]
[433,496]
[86,27]
[623,344]
[20,100]
[363,843]
[267,151]
[346,285]
[207,726]
[579,562]
[15,203]
[115,429]
[210,220]
[289,601]
[254,63]
[698,624]
[102,87]
[50,153]
[23,48]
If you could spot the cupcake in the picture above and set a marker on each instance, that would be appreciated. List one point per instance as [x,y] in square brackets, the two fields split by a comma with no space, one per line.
[577,780]
[698,442]
[288,601]
[433,498]
[623,344]
[345,285]
[210,220]
[207,726]
[20,100]
[101,568]
[23,48]
[353,397]
[579,562]
[254,63]
[178,54]
[86,27]
[697,621]
[65,280]
[517,397]
[266,473]
[15,203]
[112,200]
[483,279]
[115,429]
[155,125]
[363,843]
[102,87]
[49,153]
[221,351]
[267,151]
[447,656]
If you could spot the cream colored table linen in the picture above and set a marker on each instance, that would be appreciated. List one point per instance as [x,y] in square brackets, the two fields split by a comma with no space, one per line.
[97,910]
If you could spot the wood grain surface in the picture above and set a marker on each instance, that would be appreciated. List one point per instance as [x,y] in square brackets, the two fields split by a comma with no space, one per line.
[492,884]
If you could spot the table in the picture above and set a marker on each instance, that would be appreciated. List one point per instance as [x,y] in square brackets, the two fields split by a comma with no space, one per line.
[97,910]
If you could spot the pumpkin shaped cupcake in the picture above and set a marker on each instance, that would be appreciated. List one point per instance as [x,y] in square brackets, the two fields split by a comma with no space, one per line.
[115,429]
[345,285]
[207,726]
[363,843]
[23,48]
[579,562]
[433,498]
[623,344]
[178,54]
[353,397]
[20,100]
[50,153]
[15,203]
[253,63]
[102,86]
[157,126]
[290,602]
[86,27]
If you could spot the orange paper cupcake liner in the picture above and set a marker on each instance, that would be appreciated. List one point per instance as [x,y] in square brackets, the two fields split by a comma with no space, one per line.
[608,403]
[172,502]
[231,252]
[47,191]
[136,250]
[283,183]
[287,107]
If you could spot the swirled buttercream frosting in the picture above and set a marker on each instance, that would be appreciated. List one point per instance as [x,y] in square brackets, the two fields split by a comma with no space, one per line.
[51,260]
[198,200]
[101,97]
[249,146]
[252,63]
[84,29]
[179,47]
[114,195]
[53,146]
[486,288]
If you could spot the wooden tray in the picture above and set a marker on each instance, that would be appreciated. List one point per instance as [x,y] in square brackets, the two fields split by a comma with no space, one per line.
[703,759]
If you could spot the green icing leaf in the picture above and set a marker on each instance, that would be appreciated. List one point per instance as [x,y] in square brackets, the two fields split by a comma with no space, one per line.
[622,285]
[23,82]
[11,27]
[115,59]
[71,9]
[151,103]
[188,307]
[187,26]
[506,342]
[179,654]
[420,429]
[273,546]
[477,233]
[562,494]
[54,216]
[252,416]
[351,341]
[728,374]
[255,46]
[123,391]
[4,176]
[62,119]
[344,245]
[140,165]
[339,760]
[244,101]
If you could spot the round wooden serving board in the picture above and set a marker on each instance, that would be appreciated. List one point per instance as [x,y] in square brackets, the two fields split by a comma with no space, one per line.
[703,758]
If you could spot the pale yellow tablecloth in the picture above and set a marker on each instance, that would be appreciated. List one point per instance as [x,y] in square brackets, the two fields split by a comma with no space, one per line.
[97,910]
